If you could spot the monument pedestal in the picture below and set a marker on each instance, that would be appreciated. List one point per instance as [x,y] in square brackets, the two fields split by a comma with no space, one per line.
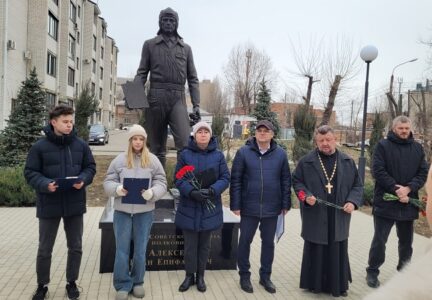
[166,244]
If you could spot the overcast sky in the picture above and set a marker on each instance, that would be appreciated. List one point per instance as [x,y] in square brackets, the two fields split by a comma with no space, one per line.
[213,27]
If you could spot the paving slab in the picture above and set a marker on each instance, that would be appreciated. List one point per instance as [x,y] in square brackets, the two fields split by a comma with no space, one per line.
[19,240]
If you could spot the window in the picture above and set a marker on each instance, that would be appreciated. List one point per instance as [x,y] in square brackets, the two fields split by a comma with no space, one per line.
[94,66]
[72,12]
[79,11]
[70,103]
[77,63]
[51,64]
[101,73]
[93,88]
[94,43]
[78,36]
[100,93]
[102,52]
[71,47]
[50,101]
[76,89]
[110,83]
[52,26]
[110,99]
[71,76]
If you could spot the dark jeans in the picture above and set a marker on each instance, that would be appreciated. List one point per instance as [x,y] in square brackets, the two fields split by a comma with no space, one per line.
[404,230]
[196,250]
[73,227]
[248,227]
[167,107]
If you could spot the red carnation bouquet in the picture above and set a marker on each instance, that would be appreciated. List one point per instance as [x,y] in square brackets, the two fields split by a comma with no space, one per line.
[421,204]
[302,195]
[187,174]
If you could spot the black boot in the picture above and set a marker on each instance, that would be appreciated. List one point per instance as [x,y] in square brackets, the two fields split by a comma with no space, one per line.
[188,281]
[201,286]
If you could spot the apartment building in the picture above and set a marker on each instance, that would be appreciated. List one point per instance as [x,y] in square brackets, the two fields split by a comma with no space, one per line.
[67,42]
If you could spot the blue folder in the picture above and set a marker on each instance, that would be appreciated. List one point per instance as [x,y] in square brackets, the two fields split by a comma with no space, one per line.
[66,183]
[134,186]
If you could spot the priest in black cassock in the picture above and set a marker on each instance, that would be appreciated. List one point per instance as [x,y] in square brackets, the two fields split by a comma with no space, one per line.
[328,174]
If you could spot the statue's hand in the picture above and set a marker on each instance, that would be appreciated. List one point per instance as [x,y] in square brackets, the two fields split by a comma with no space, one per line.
[196,112]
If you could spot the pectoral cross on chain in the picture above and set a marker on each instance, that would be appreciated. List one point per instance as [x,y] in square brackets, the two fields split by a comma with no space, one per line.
[329,187]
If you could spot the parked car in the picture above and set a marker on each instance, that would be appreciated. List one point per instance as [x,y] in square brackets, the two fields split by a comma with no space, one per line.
[358,144]
[348,144]
[98,134]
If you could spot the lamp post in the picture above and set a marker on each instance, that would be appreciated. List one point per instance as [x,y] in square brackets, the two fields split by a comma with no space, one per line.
[392,79]
[368,54]
[392,75]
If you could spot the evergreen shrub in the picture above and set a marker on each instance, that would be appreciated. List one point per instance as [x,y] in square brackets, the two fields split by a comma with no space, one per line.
[14,190]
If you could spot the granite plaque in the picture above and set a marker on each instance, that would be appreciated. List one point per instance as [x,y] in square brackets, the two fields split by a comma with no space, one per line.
[166,244]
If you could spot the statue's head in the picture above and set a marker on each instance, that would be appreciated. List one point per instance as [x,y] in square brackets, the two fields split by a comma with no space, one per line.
[168,22]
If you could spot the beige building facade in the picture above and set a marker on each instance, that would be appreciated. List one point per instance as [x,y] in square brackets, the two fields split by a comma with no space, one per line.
[67,42]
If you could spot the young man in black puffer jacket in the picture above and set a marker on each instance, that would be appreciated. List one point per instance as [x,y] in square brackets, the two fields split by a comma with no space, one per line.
[399,168]
[60,154]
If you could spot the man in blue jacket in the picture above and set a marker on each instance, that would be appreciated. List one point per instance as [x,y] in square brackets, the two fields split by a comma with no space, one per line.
[260,191]
[58,155]
[399,168]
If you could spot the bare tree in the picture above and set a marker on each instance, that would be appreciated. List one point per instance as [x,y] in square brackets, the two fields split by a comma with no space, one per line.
[422,119]
[217,102]
[340,67]
[331,65]
[308,62]
[245,69]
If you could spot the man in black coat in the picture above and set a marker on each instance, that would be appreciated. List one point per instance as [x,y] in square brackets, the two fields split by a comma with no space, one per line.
[170,63]
[260,191]
[327,174]
[399,168]
[60,154]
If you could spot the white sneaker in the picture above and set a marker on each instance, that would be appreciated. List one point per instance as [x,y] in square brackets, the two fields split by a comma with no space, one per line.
[138,291]
[122,295]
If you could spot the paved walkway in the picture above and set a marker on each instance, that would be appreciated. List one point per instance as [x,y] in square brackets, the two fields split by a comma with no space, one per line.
[18,246]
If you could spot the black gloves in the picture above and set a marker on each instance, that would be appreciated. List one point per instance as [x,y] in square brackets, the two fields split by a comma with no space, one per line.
[196,195]
[202,195]
[208,193]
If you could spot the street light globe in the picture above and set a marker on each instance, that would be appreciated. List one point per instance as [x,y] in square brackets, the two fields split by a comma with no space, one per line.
[369,53]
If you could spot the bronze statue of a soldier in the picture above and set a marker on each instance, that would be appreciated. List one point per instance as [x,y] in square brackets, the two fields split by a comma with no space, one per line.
[170,63]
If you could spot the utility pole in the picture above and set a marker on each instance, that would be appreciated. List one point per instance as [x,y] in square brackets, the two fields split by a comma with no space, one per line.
[399,108]
[247,91]
[409,103]
[351,121]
